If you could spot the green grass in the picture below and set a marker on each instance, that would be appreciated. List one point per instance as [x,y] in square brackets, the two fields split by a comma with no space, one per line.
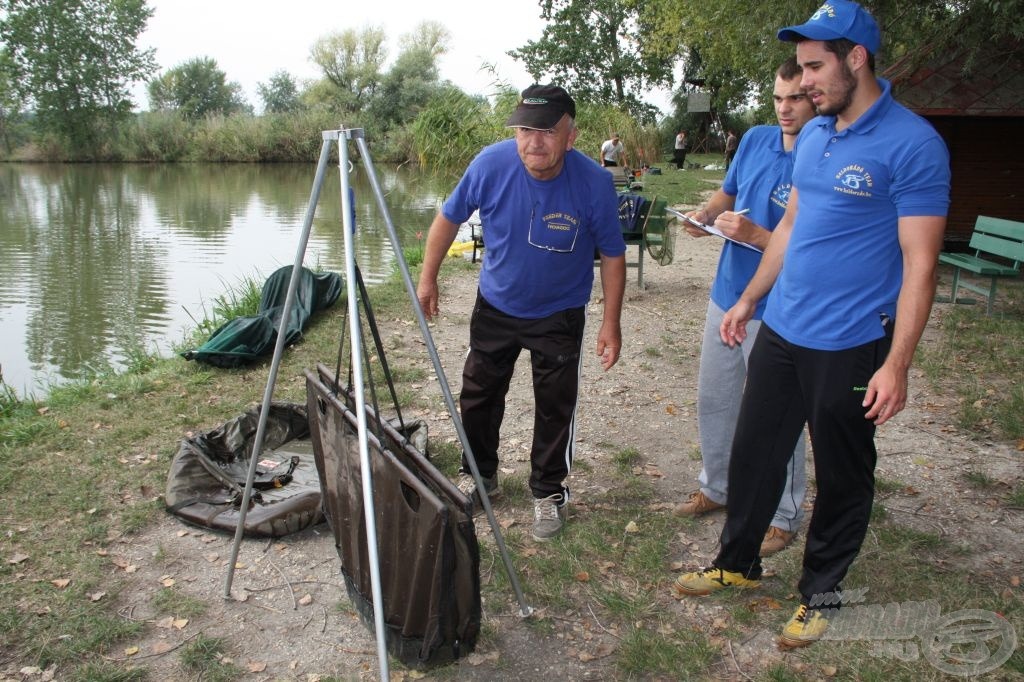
[1016,497]
[240,299]
[171,602]
[980,480]
[205,657]
[980,359]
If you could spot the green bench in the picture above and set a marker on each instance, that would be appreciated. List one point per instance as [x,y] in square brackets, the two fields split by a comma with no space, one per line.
[992,238]
[649,230]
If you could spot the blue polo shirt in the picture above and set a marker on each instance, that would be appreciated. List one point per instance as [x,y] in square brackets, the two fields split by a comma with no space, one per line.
[541,235]
[760,179]
[843,266]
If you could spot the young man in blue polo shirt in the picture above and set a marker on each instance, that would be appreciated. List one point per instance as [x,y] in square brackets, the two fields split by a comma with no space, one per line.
[861,237]
[545,208]
[758,182]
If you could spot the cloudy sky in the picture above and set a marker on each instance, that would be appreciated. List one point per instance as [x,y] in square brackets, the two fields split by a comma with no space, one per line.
[252,39]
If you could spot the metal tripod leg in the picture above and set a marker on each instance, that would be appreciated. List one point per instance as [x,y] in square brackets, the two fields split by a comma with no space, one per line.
[524,609]
[370,515]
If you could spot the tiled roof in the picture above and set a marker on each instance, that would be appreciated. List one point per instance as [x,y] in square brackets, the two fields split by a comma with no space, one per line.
[939,87]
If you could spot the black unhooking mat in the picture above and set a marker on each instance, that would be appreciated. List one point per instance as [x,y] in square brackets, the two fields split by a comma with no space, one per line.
[244,339]
[208,474]
[428,554]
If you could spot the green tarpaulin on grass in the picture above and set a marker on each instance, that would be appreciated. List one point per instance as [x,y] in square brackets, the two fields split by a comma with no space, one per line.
[245,339]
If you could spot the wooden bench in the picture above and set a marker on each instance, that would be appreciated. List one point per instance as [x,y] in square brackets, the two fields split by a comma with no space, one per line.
[992,238]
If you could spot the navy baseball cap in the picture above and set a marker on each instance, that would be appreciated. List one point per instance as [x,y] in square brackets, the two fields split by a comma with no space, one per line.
[541,108]
[838,19]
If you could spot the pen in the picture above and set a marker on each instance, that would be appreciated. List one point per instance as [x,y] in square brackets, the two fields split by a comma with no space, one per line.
[746,210]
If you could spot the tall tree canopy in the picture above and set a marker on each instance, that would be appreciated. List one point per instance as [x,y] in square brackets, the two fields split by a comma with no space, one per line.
[406,87]
[196,88]
[593,48]
[729,47]
[73,62]
[351,62]
[280,95]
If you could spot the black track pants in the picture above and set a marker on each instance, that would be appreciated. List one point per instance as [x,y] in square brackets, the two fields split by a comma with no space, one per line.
[786,386]
[555,344]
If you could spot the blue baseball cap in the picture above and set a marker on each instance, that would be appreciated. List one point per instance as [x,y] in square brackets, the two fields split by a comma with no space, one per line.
[837,19]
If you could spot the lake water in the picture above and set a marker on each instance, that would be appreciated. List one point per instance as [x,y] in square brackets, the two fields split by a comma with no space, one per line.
[95,259]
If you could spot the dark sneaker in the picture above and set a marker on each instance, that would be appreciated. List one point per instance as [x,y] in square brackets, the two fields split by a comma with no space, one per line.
[467,484]
[805,627]
[698,503]
[776,540]
[708,580]
[548,517]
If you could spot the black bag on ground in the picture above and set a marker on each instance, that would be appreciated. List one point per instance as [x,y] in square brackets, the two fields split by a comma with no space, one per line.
[208,474]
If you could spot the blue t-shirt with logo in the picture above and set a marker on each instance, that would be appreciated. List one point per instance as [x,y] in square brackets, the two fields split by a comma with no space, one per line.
[843,266]
[541,235]
[759,178]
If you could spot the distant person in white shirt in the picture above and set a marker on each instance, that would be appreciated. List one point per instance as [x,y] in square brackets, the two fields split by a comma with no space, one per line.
[611,151]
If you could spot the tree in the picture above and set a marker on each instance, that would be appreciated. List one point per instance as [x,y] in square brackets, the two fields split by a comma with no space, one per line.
[351,63]
[407,87]
[594,47]
[11,104]
[280,95]
[74,61]
[196,88]
[729,47]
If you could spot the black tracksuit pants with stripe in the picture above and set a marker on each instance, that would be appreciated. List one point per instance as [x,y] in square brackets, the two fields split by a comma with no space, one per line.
[786,386]
[555,344]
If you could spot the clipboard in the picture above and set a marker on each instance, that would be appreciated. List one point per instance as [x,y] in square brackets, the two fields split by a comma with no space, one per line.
[711,229]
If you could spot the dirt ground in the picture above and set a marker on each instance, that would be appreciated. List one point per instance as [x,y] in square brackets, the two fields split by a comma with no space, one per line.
[290,618]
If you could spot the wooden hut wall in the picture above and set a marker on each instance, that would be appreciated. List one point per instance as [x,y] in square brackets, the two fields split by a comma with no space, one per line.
[987,160]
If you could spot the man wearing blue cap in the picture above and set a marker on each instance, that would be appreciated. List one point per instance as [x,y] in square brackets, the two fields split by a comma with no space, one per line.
[546,208]
[860,236]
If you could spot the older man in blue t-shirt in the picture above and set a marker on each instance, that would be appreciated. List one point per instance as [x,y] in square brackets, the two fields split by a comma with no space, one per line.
[861,238]
[546,209]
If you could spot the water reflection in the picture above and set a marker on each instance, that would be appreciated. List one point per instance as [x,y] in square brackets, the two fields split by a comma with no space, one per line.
[98,259]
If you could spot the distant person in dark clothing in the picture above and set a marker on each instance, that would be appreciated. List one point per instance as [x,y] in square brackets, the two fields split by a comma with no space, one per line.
[679,157]
[731,143]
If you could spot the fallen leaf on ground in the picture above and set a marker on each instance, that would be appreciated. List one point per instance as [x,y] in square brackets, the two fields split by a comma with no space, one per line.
[480,659]
[61,583]
[18,558]
[764,604]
